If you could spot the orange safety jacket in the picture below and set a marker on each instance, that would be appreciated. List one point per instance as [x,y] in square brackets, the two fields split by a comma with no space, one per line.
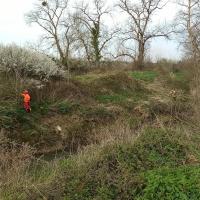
[27,98]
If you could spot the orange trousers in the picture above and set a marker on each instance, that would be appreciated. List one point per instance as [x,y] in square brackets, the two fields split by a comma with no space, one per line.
[27,106]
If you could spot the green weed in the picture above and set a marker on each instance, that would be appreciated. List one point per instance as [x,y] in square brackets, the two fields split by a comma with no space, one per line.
[182,183]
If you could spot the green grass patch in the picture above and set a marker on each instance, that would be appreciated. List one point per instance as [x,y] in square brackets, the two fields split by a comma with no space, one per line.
[127,99]
[148,76]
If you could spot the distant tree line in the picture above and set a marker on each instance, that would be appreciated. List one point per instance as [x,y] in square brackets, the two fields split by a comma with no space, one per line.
[80,29]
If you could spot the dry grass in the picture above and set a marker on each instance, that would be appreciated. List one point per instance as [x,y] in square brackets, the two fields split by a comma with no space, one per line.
[112,135]
[22,176]
[14,162]
[118,132]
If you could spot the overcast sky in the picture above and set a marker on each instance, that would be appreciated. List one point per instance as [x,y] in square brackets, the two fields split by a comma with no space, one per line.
[13,28]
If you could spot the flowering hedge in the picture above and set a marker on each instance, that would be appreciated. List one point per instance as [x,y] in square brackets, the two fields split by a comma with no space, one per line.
[26,62]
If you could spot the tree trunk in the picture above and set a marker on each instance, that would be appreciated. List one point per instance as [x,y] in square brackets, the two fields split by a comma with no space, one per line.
[65,62]
[140,59]
[61,54]
[95,44]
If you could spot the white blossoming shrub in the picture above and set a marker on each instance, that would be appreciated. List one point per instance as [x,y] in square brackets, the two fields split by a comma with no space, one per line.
[25,62]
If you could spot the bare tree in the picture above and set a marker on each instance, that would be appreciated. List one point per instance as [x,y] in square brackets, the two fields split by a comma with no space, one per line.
[54,19]
[91,31]
[123,51]
[188,24]
[82,33]
[138,30]
[189,27]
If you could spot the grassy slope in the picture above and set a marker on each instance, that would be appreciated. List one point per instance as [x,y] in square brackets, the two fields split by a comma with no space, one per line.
[160,163]
[152,167]
[79,108]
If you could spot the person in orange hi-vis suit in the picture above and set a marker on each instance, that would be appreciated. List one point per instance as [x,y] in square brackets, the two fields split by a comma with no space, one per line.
[27,99]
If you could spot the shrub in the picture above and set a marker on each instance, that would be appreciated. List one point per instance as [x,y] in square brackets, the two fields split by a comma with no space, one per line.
[24,62]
